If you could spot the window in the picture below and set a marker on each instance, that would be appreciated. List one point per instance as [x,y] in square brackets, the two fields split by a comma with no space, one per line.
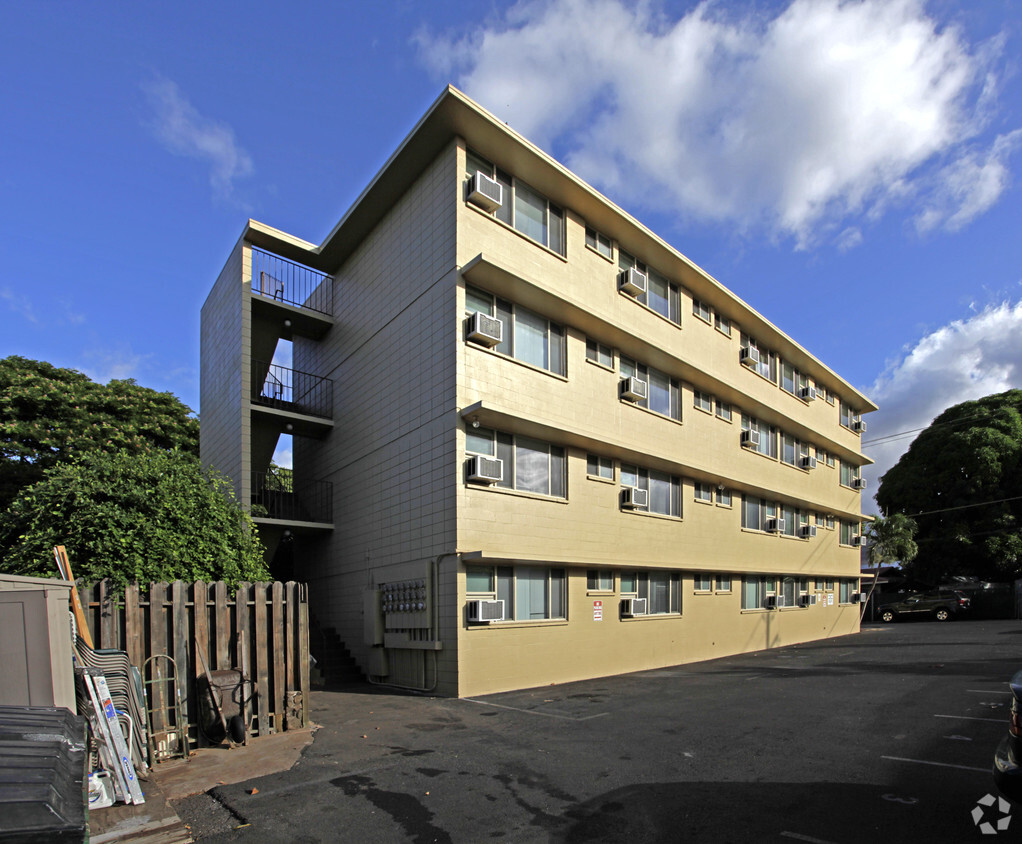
[529,593]
[849,473]
[659,588]
[703,583]
[790,520]
[755,591]
[830,459]
[723,583]
[704,492]
[528,337]
[662,295]
[848,417]
[757,512]
[599,242]
[722,324]
[767,365]
[822,456]
[723,497]
[600,467]
[767,436]
[830,522]
[792,590]
[529,212]
[846,589]
[723,410]
[849,531]
[793,450]
[664,392]
[664,491]
[598,580]
[529,465]
[598,353]
[701,310]
[703,401]
[792,381]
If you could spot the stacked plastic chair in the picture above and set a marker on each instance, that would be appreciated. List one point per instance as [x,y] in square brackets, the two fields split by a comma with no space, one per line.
[126,692]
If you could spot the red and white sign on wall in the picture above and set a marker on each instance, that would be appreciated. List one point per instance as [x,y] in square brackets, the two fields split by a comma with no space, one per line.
[597,610]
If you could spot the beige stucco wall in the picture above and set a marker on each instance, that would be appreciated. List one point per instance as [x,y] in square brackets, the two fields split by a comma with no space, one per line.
[587,528]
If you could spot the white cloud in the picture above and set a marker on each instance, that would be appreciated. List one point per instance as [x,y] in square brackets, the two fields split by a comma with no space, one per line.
[19,303]
[790,123]
[969,186]
[106,364]
[183,131]
[965,360]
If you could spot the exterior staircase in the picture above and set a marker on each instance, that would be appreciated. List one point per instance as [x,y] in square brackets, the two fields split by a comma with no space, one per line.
[334,662]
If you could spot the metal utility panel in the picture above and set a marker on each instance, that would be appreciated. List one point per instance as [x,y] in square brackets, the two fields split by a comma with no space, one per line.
[35,643]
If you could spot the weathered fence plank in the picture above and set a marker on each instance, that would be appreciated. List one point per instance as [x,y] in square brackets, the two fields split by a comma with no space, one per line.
[222,619]
[277,628]
[260,644]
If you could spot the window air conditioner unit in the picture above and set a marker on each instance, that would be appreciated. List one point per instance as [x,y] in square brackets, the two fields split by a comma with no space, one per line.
[487,470]
[774,525]
[632,497]
[858,483]
[859,597]
[859,541]
[485,192]
[483,612]
[808,531]
[770,602]
[631,607]
[484,329]
[808,462]
[633,389]
[750,439]
[750,356]
[631,281]
[859,426]
[807,393]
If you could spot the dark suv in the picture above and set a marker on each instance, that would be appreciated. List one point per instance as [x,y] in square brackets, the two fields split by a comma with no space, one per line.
[941,604]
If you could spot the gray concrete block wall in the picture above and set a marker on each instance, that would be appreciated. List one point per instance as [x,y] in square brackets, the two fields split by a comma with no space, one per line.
[223,422]
[392,356]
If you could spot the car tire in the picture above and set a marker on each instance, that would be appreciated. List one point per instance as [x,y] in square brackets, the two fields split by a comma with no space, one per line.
[942,614]
[887,616]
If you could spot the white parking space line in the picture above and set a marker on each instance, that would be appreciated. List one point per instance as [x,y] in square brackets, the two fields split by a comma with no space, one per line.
[973,718]
[537,712]
[799,837]
[989,692]
[936,764]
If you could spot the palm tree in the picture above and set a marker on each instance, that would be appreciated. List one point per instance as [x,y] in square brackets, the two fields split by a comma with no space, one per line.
[890,538]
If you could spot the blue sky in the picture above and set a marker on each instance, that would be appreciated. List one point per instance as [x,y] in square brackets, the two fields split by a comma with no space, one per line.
[849,169]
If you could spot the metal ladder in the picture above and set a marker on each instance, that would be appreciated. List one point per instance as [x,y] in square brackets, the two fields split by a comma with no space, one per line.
[113,751]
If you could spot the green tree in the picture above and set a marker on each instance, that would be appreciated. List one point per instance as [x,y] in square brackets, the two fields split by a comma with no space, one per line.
[147,516]
[49,415]
[961,480]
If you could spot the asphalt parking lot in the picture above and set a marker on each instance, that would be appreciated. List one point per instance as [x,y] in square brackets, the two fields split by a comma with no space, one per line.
[888,734]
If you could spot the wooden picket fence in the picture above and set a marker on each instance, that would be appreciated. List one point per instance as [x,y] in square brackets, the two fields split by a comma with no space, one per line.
[261,629]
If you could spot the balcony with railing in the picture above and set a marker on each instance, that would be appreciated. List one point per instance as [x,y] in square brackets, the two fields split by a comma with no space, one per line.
[277,495]
[305,294]
[291,390]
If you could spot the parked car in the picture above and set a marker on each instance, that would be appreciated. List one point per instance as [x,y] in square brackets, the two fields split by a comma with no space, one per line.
[941,604]
[1008,756]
